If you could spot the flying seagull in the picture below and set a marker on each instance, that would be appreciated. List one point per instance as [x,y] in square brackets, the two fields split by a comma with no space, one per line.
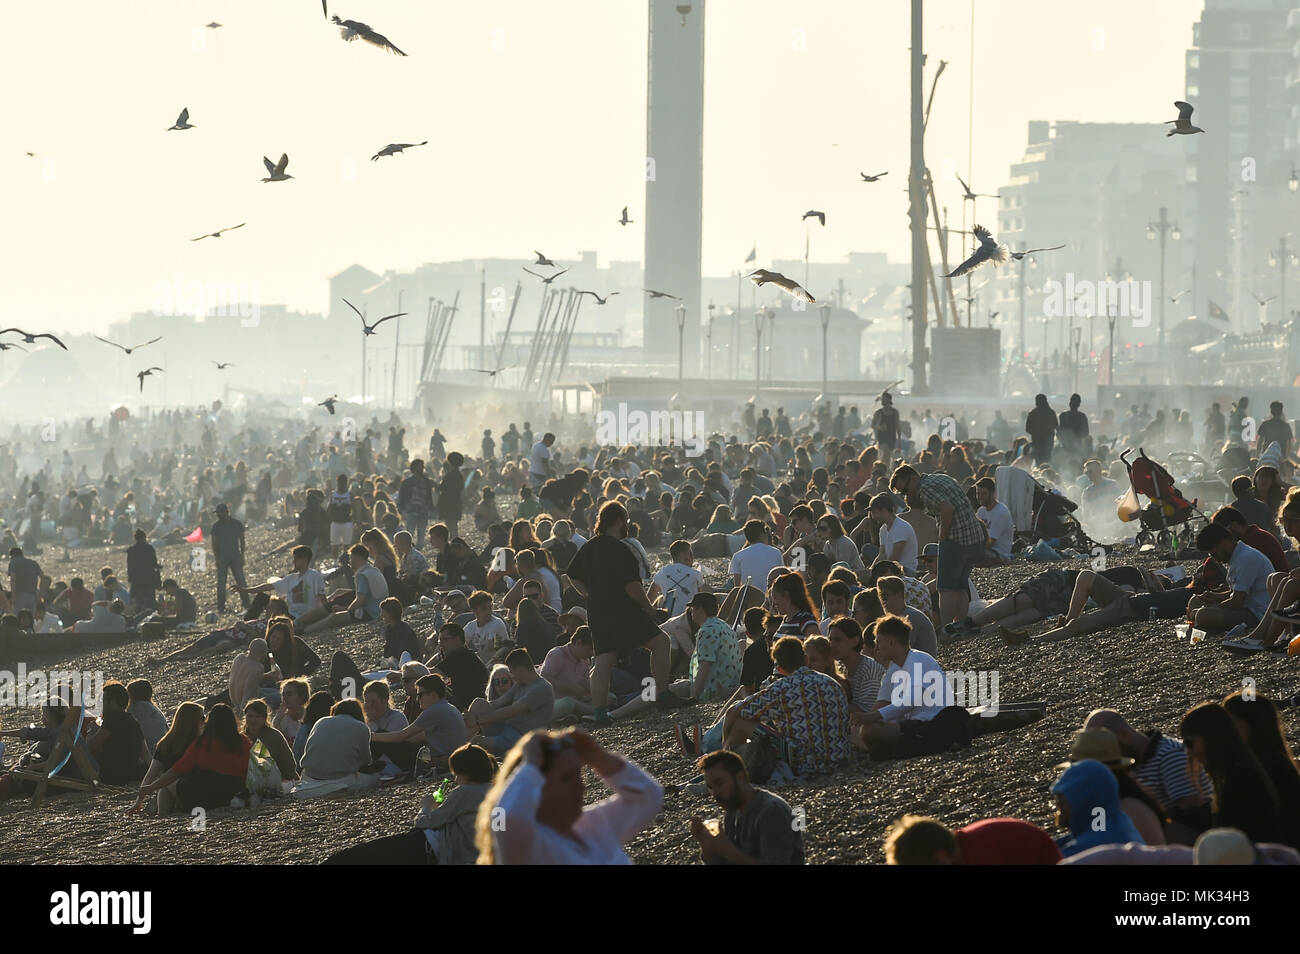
[968,194]
[811,213]
[987,251]
[182,121]
[1183,124]
[214,25]
[393,148]
[867,178]
[217,233]
[133,347]
[624,220]
[324,8]
[543,260]
[1262,301]
[30,338]
[761,276]
[222,367]
[599,300]
[328,403]
[6,347]
[659,294]
[1030,251]
[351,29]
[1174,298]
[144,374]
[370,329]
[493,373]
[276,169]
[547,281]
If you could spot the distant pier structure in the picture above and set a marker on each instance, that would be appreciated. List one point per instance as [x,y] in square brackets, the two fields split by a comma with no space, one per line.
[674,178]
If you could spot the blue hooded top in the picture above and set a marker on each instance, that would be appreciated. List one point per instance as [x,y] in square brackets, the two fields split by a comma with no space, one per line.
[1086,787]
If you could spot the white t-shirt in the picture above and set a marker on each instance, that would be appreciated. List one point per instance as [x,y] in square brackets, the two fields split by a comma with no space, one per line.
[1001,528]
[755,562]
[916,690]
[302,591]
[482,639]
[552,584]
[539,463]
[900,532]
[679,583]
[1248,571]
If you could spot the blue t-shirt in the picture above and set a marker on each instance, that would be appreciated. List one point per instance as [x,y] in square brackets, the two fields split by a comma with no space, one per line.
[1248,571]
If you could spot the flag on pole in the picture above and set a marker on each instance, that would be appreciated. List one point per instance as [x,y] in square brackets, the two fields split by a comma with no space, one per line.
[753,254]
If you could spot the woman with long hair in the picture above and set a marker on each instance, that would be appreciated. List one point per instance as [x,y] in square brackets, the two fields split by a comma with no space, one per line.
[258,728]
[187,725]
[318,707]
[534,812]
[1260,725]
[790,600]
[210,774]
[1243,795]
[383,555]
[531,631]
[722,521]
[522,536]
[1269,488]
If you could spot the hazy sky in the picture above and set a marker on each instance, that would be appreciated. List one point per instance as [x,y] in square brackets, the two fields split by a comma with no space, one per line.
[535,114]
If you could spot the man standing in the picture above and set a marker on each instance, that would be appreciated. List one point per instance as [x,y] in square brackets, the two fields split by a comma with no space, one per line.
[961,536]
[1276,429]
[340,510]
[143,573]
[1041,426]
[415,499]
[227,536]
[620,616]
[885,425]
[539,461]
[1073,428]
[24,580]
[758,828]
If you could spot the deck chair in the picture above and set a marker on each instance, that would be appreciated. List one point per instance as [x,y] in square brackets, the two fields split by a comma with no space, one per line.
[737,601]
[65,749]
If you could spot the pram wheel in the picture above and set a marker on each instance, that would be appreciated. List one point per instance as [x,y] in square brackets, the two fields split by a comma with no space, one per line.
[1163,539]
[1144,537]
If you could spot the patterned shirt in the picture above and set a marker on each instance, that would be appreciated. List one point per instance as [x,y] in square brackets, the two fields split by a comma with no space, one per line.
[716,642]
[917,595]
[811,711]
[938,489]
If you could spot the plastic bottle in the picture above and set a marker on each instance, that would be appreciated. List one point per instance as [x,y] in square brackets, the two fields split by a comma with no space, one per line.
[439,795]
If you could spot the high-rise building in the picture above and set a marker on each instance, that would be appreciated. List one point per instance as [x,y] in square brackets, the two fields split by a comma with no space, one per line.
[674,178]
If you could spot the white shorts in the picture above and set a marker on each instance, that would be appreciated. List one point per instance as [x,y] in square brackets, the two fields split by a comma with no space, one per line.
[341,534]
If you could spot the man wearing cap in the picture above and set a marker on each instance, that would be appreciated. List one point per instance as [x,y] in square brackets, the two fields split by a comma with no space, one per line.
[571,619]
[227,535]
[715,663]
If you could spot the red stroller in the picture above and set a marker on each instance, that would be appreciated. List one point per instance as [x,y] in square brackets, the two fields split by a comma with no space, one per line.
[1168,507]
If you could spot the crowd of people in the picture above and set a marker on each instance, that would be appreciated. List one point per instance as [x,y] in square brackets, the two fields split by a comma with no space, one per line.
[852,551]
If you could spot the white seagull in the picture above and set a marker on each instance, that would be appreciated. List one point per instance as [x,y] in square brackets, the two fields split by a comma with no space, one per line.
[988,250]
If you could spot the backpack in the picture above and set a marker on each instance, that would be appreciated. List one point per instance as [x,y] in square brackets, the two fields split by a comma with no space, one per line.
[762,753]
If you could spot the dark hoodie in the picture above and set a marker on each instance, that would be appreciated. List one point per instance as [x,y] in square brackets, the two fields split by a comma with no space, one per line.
[1086,787]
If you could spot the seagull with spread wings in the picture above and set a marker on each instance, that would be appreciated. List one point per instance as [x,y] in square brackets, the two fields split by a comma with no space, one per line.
[30,338]
[182,121]
[1261,299]
[814,214]
[624,220]
[988,250]
[494,372]
[658,294]
[761,276]
[395,148]
[543,260]
[545,280]
[1173,299]
[221,366]
[144,374]
[599,300]
[867,178]
[328,403]
[1030,251]
[1183,124]
[353,29]
[6,347]
[276,169]
[972,196]
[133,347]
[217,233]
[369,328]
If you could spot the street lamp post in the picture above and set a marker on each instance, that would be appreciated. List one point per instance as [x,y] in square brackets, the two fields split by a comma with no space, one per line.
[681,334]
[1163,227]
[826,321]
[758,349]
[1279,257]
[709,363]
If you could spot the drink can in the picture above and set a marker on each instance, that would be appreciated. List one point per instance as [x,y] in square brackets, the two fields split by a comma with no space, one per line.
[1151,614]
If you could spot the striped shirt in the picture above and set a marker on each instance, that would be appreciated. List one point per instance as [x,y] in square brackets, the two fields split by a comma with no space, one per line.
[865,683]
[1163,772]
[811,711]
[938,489]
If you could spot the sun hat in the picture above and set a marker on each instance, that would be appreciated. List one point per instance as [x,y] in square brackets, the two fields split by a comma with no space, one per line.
[1102,745]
